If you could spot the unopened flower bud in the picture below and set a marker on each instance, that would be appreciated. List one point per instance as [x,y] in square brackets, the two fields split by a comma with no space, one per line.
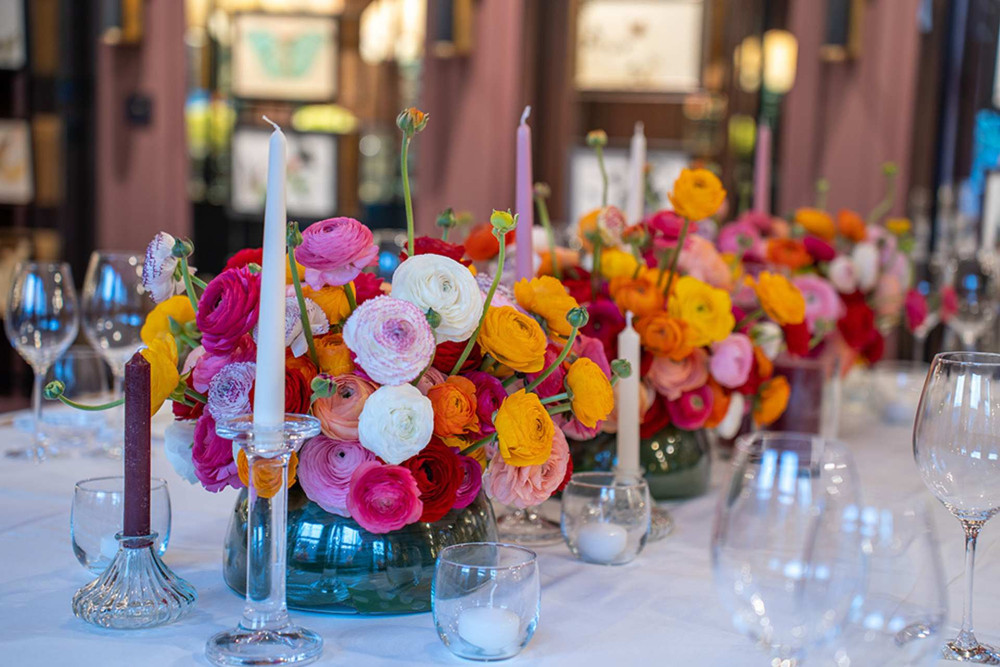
[578,317]
[433,318]
[322,386]
[597,138]
[542,190]
[411,121]
[447,219]
[182,248]
[54,390]
[621,367]
[502,221]
[294,236]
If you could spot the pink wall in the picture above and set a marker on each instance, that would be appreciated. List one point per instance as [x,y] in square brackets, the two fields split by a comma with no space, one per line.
[142,171]
[466,153]
[842,121]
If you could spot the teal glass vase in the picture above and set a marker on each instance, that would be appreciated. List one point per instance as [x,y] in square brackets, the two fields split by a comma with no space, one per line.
[335,566]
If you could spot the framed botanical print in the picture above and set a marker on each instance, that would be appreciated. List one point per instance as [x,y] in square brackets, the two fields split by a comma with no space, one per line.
[13,45]
[311,178]
[620,45]
[284,57]
[16,171]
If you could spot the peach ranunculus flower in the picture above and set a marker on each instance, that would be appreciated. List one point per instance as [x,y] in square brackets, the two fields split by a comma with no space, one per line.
[514,339]
[546,297]
[672,378]
[817,222]
[593,398]
[454,402]
[697,194]
[772,401]
[701,260]
[565,259]
[851,226]
[266,474]
[780,299]
[524,430]
[664,336]
[338,415]
[640,296]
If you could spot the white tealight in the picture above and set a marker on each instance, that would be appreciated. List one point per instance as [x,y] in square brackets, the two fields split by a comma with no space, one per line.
[489,628]
[601,542]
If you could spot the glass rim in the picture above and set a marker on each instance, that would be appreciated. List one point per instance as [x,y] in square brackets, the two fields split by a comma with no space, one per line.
[966,358]
[84,485]
[48,263]
[242,429]
[117,253]
[531,557]
[898,364]
[633,480]
[745,443]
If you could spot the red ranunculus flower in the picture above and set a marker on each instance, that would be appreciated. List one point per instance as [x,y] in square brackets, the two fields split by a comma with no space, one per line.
[297,391]
[367,286]
[569,473]
[244,257]
[605,323]
[428,245]
[874,348]
[439,475]
[656,418]
[797,338]
[182,411]
[576,280]
[448,352]
[858,322]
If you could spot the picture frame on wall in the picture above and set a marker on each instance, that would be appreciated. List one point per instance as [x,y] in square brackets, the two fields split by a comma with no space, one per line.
[619,45]
[311,183]
[16,167]
[285,57]
[13,42]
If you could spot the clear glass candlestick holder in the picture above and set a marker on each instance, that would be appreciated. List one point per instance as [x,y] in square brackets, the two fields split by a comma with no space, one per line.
[606,516]
[266,634]
[485,599]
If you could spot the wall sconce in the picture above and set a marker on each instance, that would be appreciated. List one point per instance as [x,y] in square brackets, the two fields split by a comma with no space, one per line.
[781,52]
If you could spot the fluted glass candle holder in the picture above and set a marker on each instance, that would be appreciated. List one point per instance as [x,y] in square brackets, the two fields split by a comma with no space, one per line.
[266,634]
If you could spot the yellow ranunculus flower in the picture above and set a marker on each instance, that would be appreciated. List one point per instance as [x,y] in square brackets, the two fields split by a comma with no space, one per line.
[547,298]
[816,222]
[617,263]
[332,300]
[158,323]
[514,339]
[593,398]
[267,473]
[780,299]
[898,226]
[706,310]
[524,430]
[697,194]
[162,357]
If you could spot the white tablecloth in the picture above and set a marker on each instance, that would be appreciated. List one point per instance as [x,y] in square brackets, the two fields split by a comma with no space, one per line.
[660,609]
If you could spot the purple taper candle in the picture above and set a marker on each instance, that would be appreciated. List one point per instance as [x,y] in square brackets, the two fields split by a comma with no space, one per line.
[137,447]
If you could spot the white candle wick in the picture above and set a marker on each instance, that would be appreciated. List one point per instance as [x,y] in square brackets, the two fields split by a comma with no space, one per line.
[525,114]
[277,128]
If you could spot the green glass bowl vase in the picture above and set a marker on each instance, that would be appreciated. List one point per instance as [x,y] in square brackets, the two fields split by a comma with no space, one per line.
[337,567]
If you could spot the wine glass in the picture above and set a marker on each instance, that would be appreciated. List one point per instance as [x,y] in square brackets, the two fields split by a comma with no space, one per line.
[973,282]
[956,444]
[786,561]
[42,321]
[115,305]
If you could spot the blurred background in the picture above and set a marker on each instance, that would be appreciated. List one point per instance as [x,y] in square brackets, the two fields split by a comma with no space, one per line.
[120,118]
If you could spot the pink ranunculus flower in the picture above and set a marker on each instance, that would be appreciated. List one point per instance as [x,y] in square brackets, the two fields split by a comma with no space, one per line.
[229,391]
[742,238]
[335,251]
[664,228]
[732,360]
[701,260]
[391,338]
[672,378]
[207,365]
[338,413]
[228,309]
[822,301]
[490,393]
[214,465]
[383,498]
[325,469]
[472,482]
[843,274]
[762,221]
[916,309]
[692,409]
[526,486]
[593,349]
[431,377]
[949,303]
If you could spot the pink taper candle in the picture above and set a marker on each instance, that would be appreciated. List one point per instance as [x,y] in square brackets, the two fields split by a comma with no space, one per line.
[524,202]
[762,170]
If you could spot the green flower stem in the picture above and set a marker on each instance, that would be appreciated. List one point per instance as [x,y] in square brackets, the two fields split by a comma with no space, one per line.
[90,408]
[556,398]
[352,301]
[405,171]
[479,443]
[822,190]
[195,395]
[595,275]
[187,340]
[303,313]
[638,261]
[511,380]
[883,207]
[604,175]
[502,238]
[748,318]
[543,216]
[199,282]
[555,364]
[188,287]
[676,258]
[560,409]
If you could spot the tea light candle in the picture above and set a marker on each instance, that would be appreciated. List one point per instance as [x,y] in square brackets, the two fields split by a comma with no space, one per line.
[489,628]
[601,542]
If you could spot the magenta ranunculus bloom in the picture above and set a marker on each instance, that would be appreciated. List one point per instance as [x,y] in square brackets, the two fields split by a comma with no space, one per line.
[335,251]
[214,465]
[553,384]
[228,309]
[916,309]
[383,498]
[732,360]
[692,409]
[472,482]
[818,249]
[665,228]
[325,469]
[208,365]
[490,393]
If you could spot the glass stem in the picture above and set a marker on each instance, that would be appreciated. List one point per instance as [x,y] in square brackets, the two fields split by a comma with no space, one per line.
[265,607]
[966,636]
[38,446]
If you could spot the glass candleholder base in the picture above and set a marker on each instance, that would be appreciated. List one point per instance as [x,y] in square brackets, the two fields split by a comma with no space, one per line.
[137,590]
[528,527]
[661,524]
[242,646]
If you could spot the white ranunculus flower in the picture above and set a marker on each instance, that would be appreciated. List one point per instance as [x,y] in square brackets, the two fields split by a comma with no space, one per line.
[865,258]
[768,337]
[730,424]
[158,269]
[444,285]
[396,422]
[178,439]
[843,274]
[295,336]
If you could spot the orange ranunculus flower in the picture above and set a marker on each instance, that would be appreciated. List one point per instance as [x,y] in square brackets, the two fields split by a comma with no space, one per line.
[565,259]
[303,365]
[332,300]
[851,225]
[720,404]
[772,401]
[266,474]
[817,222]
[481,244]
[780,299]
[765,367]
[697,194]
[546,297]
[641,296]
[586,227]
[524,430]
[514,339]
[333,355]
[788,252]
[593,398]
[454,402]
[664,336]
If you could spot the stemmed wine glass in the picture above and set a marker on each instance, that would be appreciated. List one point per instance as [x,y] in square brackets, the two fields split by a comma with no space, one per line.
[115,305]
[956,444]
[42,320]
[973,282]
[787,560]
